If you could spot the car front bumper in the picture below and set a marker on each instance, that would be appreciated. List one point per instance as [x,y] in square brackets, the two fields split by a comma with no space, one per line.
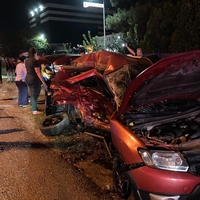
[156,184]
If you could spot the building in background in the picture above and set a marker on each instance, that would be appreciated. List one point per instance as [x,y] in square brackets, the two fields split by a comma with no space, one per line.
[62,23]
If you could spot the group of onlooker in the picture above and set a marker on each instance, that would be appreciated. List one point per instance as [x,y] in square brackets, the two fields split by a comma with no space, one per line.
[28,75]
[9,64]
[10,68]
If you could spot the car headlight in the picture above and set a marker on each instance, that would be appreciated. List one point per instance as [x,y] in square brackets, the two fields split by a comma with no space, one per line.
[168,160]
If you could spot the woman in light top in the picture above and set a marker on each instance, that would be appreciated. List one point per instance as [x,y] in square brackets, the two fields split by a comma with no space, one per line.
[21,72]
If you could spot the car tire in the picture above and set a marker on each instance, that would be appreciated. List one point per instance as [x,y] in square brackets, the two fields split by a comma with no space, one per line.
[120,181]
[54,124]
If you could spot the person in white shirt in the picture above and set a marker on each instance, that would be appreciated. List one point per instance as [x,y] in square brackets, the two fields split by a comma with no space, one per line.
[21,72]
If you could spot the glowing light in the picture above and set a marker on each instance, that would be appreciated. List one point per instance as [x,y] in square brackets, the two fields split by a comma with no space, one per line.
[42,36]
[41,8]
[37,10]
[89,4]
[32,13]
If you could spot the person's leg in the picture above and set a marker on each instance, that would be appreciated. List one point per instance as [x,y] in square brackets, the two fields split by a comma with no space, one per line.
[35,92]
[18,86]
[24,93]
[8,76]
[33,101]
[11,75]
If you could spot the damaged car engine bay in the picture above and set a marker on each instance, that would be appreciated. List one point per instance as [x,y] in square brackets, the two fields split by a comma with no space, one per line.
[170,124]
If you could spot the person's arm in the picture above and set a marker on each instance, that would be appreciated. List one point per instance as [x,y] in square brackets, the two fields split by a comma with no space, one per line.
[24,71]
[130,50]
[38,72]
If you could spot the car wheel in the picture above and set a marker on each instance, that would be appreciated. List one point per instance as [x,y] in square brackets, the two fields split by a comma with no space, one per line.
[54,124]
[121,183]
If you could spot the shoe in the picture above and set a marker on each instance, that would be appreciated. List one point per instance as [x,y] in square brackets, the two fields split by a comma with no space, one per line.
[37,112]
[24,106]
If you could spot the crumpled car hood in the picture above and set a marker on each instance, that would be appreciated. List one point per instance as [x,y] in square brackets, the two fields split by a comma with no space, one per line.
[174,77]
[107,62]
[117,69]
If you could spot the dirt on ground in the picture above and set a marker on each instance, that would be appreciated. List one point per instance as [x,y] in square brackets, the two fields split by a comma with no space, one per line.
[85,150]
[89,155]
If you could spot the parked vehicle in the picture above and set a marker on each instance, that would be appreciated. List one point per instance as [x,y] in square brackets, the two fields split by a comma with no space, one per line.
[156,132]
[87,93]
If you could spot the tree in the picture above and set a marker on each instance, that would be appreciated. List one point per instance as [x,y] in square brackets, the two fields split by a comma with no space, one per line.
[122,3]
[160,27]
[67,48]
[168,26]
[39,43]
[186,35]
[22,41]
[131,22]
[119,21]
[92,42]
[117,44]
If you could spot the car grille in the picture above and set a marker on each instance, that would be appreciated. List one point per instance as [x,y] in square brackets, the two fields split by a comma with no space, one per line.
[193,158]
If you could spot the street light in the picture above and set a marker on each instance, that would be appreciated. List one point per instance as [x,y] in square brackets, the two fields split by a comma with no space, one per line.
[38,9]
[42,37]
[98,5]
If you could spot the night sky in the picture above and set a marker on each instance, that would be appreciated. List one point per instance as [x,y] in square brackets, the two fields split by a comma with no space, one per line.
[14,14]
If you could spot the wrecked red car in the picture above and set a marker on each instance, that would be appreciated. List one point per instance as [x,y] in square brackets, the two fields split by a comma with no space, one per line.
[156,132]
[150,111]
[87,92]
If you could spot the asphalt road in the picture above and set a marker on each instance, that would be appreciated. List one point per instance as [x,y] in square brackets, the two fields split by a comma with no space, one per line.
[29,168]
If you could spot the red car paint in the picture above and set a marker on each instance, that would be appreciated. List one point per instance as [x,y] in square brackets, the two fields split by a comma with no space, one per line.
[175,77]
[146,90]
[90,99]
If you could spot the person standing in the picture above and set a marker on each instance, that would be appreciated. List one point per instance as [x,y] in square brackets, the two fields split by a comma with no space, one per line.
[9,69]
[21,72]
[34,79]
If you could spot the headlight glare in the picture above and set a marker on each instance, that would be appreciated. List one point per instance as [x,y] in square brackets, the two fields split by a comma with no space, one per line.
[168,160]
[146,157]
